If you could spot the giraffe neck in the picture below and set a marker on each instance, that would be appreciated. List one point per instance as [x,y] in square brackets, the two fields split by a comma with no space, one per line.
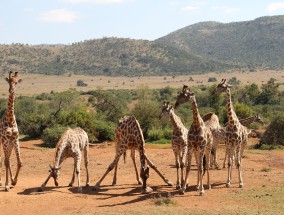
[197,120]
[10,115]
[247,121]
[58,153]
[231,114]
[176,121]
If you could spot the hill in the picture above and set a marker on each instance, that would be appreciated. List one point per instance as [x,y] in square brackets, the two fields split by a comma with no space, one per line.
[251,44]
[107,56]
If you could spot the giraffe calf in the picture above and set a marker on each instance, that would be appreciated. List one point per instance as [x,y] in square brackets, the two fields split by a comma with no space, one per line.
[71,143]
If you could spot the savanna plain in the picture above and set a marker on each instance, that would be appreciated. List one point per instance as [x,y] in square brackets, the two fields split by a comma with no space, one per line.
[263,170]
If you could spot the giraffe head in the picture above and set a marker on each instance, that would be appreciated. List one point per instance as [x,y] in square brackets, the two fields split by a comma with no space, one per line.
[258,119]
[166,109]
[223,86]
[13,80]
[186,95]
[54,173]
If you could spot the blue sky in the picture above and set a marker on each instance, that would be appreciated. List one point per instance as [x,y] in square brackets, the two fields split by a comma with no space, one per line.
[68,21]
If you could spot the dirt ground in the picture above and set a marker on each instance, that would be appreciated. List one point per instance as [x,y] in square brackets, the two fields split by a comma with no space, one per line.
[263,191]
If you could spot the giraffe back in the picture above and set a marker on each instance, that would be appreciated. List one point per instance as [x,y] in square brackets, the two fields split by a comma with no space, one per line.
[211,121]
[128,133]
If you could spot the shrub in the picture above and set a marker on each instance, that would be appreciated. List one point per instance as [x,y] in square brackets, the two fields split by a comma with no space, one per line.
[52,135]
[81,83]
[212,79]
[104,130]
[274,134]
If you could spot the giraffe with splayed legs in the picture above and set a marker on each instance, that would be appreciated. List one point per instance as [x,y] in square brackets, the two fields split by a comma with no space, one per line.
[179,141]
[70,144]
[199,140]
[9,134]
[128,135]
[236,133]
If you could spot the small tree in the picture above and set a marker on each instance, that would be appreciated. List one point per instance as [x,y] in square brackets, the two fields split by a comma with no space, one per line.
[212,79]
[81,83]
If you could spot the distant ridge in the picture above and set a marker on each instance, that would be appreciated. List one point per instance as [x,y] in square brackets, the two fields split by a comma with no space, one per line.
[198,48]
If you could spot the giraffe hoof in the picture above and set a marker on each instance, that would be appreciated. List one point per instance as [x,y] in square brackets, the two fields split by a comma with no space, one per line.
[113,184]
[7,188]
[14,182]
[139,182]
[69,185]
[146,190]
[88,185]
[170,183]
[181,192]
[241,186]
[178,187]
[95,188]
[80,190]
[201,193]
[40,189]
[227,185]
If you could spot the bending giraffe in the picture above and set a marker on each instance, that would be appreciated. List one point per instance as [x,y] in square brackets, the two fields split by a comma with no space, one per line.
[236,133]
[199,140]
[128,135]
[70,144]
[179,141]
[9,134]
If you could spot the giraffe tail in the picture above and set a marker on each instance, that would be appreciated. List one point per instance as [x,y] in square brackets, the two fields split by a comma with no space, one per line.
[204,164]
[124,157]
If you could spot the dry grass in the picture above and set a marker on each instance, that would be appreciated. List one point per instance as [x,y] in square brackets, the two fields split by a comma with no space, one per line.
[35,84]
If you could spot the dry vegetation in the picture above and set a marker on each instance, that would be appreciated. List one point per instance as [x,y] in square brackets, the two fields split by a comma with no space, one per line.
[36,84]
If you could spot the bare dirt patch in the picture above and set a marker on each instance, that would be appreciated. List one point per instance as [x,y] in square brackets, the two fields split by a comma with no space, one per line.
[262,193]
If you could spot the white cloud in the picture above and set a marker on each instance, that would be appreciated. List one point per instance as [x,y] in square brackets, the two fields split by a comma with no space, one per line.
[227,10]
[275,6]
[60,15]
[189,8]
[96,1]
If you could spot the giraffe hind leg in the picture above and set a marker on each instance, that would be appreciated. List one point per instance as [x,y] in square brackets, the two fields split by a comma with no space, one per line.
[19,161]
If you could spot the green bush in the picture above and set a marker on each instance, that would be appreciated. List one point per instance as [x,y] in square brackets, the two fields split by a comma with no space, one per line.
[104,130]
[51,135]
[274,134]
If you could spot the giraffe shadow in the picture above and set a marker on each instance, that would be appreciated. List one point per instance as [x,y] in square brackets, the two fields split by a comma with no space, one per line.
[34,190]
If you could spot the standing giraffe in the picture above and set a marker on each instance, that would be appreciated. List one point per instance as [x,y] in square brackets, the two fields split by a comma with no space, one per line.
[179,141]
[199,140]
[236,133]
[245,122]
[128,135]
[70,144]
[9,134]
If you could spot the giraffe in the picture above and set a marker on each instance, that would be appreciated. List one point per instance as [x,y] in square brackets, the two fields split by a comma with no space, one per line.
[9,134]
[70,144]
[236,134]
[179,141]
[199,140]
[211,120]
[128,135]
[245,122]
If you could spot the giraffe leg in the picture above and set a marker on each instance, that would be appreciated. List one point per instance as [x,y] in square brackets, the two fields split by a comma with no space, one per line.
[178,184]
[230,161]
[8,167]
[188,167]
[73,176]
[197,164]
[19,161]
[158,172]
[115,174]
[135,167]
[77,164]
[0,167]
[44,184]
[239,165]
[225,157]
[86,159]
[110,168]
[200,172]
[182,165]
[207,156]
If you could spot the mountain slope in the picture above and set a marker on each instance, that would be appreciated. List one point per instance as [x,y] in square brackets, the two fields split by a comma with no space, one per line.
[107,56]
[252,44]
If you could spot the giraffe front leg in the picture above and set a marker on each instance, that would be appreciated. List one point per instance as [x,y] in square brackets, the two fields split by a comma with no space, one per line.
[230,161]
[135,167]
[44,184]
[19,162]
[73,177]
[77,164]
[188,167]
[178,184]
[207,158]
[239,165]
[0,167]
[115,174]
[167,181]
[86,159]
